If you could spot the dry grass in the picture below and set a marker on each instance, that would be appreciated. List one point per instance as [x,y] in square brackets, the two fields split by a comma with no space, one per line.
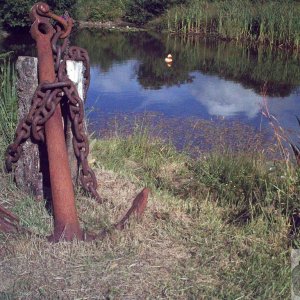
[129,264]
[170,254]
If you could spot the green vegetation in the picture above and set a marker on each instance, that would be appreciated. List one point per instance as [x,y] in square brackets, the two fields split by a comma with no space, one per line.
[8,103]
[142,11]
[136,11]
[15,14]
[267,22]
[175,252]
[245,189]
[102,10]
[215,227]
[246,184]
[271,22]
[252,66]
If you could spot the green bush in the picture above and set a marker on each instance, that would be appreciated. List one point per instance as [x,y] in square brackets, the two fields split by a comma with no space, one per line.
[15,13]
[107,11]
[142,11]
[102,10]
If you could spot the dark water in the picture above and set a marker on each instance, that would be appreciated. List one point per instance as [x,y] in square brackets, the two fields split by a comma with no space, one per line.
[216,83]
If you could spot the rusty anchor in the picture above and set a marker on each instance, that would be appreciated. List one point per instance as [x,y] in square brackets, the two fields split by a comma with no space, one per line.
[65,216]
[44,124]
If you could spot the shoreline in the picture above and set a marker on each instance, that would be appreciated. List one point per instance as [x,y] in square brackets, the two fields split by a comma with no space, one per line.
[109,25]
[120,25]
[123,26]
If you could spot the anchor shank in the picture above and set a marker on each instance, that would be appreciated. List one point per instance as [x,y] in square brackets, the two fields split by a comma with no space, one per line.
[66,224]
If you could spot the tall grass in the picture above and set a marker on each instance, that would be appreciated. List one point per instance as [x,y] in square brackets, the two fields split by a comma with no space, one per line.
[8,102]
[247,185]
[101,11]
[271,22]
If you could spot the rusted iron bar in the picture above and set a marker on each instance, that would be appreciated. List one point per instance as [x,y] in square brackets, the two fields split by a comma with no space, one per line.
[66,224]
[8,221]
[45,113]
[136,210]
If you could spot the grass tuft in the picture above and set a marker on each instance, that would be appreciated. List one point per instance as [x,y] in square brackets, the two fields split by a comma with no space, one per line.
[248,185]
[8,103]
[270,22]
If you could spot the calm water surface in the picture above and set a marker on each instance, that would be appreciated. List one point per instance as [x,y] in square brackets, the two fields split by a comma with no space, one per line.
[218,81]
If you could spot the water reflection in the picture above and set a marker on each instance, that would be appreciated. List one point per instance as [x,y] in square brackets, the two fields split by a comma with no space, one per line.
[119,91]
[206,79]
[250,66]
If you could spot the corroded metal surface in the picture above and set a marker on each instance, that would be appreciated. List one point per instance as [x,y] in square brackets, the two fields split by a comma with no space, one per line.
[66,224]
[44,124]
[8,221]
[137,209]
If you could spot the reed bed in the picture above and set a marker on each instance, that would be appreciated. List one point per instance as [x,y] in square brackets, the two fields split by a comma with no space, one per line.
[8,102]
[272,22]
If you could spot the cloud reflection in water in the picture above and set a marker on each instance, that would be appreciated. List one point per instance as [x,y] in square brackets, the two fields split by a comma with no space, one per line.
[118,91]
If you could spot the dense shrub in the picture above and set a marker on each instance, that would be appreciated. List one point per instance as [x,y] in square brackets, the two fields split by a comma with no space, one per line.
[15,13]
[141,11]
[101,10]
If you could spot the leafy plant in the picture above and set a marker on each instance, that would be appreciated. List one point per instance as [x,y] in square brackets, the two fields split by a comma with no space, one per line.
[141,11]
[16,13]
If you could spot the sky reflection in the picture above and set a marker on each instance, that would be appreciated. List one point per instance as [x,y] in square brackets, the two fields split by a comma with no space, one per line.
[118,91]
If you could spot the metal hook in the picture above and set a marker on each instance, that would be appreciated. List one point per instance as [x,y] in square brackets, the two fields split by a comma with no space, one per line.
[40,15]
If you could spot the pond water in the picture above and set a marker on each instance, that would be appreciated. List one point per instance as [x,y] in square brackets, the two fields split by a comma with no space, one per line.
[218,84]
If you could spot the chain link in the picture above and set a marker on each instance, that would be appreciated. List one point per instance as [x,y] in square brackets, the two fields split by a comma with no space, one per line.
[45,100]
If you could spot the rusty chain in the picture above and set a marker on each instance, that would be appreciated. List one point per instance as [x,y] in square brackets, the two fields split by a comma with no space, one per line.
[45,100]
[43,123]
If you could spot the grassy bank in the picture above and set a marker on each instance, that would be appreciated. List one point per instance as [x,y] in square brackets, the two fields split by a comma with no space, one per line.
[217,226]
[270,22]
[247,185]
[266,22]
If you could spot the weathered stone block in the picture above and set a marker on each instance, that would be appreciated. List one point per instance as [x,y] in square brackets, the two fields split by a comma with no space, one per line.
[27,173]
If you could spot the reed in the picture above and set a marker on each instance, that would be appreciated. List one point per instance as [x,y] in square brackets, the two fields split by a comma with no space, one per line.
[8,102]
[271,22]
[245,184]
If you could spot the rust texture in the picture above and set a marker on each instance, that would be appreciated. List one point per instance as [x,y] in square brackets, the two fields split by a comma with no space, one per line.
[44,125]
[31,172]
[137,208]
[66,224]
[8,221]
